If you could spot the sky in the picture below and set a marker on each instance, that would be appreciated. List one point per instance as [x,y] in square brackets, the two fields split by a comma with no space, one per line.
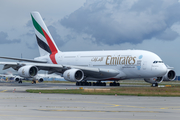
[85,25]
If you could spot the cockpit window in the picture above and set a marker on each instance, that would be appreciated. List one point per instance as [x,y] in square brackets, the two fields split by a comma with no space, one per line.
[158,62]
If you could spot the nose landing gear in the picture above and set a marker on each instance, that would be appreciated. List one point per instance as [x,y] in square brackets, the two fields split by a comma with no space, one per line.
[154,85]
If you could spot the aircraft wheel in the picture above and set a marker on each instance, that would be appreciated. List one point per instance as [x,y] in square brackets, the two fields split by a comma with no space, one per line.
[77,83]
[97,84]
[86,83]
[89,83]
[94,84]
[114,84]
[20,81]
[83,83]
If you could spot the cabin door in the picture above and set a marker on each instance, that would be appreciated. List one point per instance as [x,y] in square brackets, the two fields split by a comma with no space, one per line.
[144,65]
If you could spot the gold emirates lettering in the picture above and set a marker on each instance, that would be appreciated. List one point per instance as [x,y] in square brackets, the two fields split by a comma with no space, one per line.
[126,60]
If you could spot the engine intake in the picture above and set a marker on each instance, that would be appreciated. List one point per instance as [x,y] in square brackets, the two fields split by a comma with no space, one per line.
[17,79]
[170,75]
[73,75]
[28,71]
[40,80]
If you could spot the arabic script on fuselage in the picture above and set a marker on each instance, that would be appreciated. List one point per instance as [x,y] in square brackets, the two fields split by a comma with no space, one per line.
[97,59]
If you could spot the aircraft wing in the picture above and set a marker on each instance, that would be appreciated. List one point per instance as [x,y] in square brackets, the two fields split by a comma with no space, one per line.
[56,68]
[40,66]
[22,59]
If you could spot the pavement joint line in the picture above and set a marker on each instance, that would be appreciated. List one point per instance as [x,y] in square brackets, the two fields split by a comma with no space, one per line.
[99,111]
[32,116]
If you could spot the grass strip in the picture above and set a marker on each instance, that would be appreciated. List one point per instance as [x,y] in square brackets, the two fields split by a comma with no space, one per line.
[135,91]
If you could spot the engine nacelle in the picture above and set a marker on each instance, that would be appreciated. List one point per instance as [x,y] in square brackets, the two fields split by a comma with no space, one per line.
[17,79]
[154,80]
[170,75]
[73,75]
[28,71]
[40,80]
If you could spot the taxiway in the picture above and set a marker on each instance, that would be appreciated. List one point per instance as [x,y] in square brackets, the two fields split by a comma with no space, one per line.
[17,104]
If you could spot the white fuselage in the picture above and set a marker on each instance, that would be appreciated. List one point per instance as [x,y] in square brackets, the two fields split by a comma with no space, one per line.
[129,63]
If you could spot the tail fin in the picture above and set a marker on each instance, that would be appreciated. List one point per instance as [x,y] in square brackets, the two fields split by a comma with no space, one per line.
[44,39]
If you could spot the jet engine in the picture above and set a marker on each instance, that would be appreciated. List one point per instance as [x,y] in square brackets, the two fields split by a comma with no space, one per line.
[40,80]
[28,71]
[17,79]
[170,75]
[73,75]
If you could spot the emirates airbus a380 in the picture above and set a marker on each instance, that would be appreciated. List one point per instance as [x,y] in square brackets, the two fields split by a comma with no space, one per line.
[97,66]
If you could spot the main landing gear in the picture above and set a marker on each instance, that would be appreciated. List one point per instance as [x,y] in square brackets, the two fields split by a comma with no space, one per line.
[83,83]
[99,83]
[20,81]
[114,84]
[90,84]
[155,85]
[33,82]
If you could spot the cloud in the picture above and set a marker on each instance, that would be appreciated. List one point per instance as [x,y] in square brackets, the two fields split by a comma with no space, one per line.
[4,39]
[29,24]
[56,36]
[167,34]
[125,21]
